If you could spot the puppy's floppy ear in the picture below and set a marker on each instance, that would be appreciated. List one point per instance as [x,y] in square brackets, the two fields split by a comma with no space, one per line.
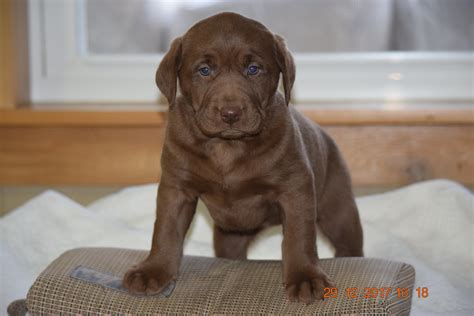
[167,73]
[286,64]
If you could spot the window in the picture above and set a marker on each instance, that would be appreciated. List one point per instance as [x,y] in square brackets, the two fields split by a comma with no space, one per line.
[345,50]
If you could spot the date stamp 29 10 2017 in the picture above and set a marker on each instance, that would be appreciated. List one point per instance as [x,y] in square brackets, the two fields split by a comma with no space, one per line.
[373,292]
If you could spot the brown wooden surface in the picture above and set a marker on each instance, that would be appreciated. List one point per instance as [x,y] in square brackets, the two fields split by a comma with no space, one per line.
[14,85]
[7,63]
[77,155]
[381,116]
[376,155]
[70,118]
[128,116]
[397,155]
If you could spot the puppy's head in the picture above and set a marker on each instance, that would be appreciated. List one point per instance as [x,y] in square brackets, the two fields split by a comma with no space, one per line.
[228,68]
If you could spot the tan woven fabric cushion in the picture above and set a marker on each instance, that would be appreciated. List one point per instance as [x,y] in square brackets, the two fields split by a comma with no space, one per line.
[216,286]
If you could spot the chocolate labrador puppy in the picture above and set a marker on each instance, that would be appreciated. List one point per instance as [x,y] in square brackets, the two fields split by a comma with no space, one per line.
[233,142]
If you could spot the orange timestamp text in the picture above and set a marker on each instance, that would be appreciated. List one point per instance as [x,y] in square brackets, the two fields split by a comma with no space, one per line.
[374,292]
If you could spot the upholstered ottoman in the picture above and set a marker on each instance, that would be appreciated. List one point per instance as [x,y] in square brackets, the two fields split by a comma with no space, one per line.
[87,281]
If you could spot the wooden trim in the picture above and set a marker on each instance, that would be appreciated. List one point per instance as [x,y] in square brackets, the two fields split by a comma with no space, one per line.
[382,148]
[14,82]
[72,118]
[391,117]
[399,155]
[80,155]
[157,117]
[22,89]
[111,155]
[7,68]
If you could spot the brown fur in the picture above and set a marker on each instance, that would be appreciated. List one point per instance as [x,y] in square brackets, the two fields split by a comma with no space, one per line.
[271,166]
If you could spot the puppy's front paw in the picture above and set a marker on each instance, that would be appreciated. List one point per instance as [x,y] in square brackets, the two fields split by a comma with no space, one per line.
[147,278]
[307,285]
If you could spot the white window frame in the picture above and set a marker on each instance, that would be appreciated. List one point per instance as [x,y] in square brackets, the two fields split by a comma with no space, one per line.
[61,72]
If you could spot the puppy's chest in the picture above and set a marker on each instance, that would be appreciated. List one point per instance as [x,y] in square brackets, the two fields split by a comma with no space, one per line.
[224,155]
[241,207]
[235,187]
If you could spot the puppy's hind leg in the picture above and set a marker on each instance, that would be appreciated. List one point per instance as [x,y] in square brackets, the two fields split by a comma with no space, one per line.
[338,217]
[231,245]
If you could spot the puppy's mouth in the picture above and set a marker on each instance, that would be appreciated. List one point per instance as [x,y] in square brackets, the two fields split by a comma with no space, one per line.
[241,130]
[233,134]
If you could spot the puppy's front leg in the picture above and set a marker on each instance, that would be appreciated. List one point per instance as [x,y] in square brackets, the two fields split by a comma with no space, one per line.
[173,216]
[303,278]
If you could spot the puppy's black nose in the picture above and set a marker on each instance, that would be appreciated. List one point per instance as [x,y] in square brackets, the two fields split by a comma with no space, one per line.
[230,114]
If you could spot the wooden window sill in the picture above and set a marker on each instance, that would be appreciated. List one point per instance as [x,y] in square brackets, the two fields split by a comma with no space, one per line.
[49,146]
[154,115]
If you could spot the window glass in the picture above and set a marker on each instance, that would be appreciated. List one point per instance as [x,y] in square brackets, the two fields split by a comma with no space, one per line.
[310,26]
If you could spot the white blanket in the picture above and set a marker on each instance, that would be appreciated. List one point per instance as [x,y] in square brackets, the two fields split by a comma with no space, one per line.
[429,225]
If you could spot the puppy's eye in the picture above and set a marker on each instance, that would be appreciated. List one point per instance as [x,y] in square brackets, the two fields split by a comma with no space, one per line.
[204,71]
[252,70]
